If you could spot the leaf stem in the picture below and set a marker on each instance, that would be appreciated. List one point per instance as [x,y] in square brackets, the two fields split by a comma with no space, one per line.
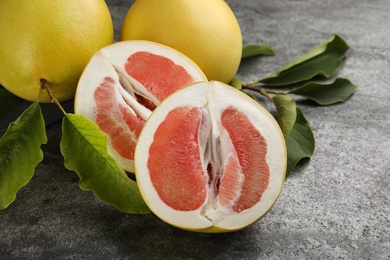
[45,86]
[265,93]
[262,91]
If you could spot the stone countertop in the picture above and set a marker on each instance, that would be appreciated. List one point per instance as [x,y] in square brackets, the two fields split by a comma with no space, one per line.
[334,206]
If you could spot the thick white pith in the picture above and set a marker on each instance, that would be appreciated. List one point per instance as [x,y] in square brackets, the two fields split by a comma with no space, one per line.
[215,147]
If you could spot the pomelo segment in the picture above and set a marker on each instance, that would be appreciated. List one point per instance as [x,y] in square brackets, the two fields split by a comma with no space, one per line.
[210,159]
[116,119]
[251,149]
[121,86]
[175,76]
[182,184]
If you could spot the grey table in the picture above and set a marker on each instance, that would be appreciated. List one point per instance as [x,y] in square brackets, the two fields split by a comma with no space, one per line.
[335,206]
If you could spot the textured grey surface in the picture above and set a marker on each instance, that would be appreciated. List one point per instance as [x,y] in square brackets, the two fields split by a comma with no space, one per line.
[335,206]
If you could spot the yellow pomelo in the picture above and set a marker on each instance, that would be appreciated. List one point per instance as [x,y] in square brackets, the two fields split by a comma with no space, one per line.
[52,41]
[206,31]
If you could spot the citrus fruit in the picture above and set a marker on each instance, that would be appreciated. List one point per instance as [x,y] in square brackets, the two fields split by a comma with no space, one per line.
[206,31]
[210,159]
[50,41]
[123,83]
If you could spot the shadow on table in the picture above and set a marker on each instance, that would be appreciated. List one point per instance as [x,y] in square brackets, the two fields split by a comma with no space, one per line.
[147,237]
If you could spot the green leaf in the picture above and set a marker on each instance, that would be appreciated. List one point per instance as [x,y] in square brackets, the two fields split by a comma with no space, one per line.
[287,113]
[327,94]
[84,148]
[300,143]
[8,101]
[323,60]
[20,153]
[236,83]
[255,50]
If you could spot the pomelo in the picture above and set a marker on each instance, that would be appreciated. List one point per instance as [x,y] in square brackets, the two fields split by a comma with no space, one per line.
[206,31]
[210,159]
[123,83]
[50,41]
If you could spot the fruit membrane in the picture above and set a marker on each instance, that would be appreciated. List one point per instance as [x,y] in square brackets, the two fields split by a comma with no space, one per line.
[123,83]
[210,159]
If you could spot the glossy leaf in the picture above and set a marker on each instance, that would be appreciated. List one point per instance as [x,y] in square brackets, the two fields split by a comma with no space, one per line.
[20,153]
[84,148]
[8,101]
[287,113]
[256,50]
[327,94]
[300,143]
[323,60]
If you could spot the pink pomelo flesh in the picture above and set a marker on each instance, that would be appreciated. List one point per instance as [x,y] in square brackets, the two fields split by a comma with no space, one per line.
[251,150]
[181,176]
[174,162]
[159,75]
[116,120]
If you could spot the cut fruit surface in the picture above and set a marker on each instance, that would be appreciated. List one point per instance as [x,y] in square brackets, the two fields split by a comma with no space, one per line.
[210,159]
[121,86]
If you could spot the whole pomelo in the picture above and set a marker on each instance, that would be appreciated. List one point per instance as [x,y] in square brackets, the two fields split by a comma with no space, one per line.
[206,31]
[51,41]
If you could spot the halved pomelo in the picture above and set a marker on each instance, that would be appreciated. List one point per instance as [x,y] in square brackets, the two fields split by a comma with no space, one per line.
[123,83]
[210,159]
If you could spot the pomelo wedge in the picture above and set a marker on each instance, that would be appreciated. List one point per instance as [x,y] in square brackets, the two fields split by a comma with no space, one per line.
[123,83]
[210,159]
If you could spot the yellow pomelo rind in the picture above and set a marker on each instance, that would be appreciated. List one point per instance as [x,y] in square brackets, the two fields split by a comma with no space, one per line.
[50,40]
[192,221]
[205,31]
